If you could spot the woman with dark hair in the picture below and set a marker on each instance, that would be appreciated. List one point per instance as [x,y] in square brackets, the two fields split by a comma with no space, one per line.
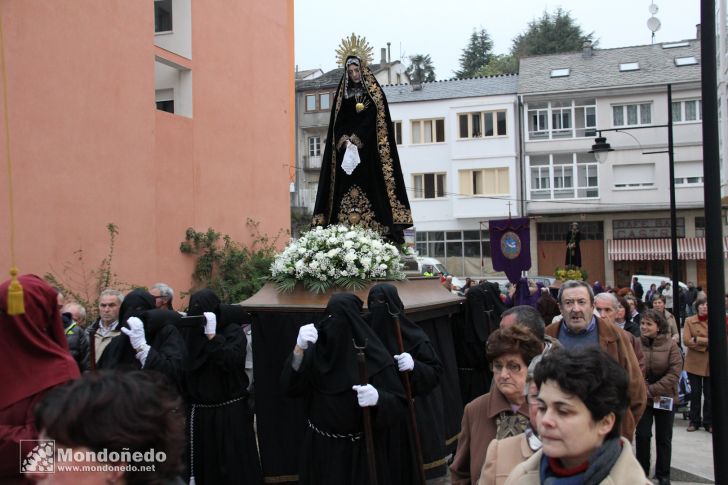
[503,411]
[323,370]
[221,441]
[372,193]
[663,364]
[582,398]
[658,303]
[623,320]
[697,365]
[422,364]
[149,339]
[36,359]
[114,414]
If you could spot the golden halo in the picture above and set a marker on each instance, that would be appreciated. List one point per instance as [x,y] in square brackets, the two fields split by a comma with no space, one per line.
[354,46]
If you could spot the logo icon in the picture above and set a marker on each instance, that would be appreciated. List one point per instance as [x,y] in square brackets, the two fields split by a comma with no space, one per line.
[511,245]
[37,456]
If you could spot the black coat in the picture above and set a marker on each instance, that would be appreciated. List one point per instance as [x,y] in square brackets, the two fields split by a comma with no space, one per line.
[78,342]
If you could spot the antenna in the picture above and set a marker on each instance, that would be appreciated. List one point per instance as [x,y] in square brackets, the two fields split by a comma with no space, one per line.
[653,23]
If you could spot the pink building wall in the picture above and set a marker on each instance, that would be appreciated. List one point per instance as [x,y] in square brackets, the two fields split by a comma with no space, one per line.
[88,146]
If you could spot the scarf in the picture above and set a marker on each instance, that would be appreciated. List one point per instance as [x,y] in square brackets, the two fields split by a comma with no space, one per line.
[592,472]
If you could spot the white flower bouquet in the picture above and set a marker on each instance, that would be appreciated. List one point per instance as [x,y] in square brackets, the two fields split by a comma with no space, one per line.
[336,256]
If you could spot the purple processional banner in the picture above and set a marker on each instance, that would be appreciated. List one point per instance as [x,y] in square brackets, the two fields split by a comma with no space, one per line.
[510,246]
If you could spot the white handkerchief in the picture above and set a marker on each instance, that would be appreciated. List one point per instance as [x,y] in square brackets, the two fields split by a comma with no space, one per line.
[351,159]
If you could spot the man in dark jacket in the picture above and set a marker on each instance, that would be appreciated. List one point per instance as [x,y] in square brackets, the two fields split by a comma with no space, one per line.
[637,288]
[77,338]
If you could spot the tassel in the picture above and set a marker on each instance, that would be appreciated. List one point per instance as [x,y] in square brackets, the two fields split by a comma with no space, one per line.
[192,480]
[15,294]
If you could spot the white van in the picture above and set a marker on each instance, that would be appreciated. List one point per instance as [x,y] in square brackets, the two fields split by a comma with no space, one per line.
[647,280]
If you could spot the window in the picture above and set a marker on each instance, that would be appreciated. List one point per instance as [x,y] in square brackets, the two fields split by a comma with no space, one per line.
[162,16]
[487,181]
[688,173]
[562,119]
[314,146]
[479,124]
[629,66]
[429,185]
[563,176]
[428,131]
[560,72]
[634,175]
[325,101]
[686,111]
[310,102]
[675,44]
[398,132]
[685,61]
[166,105]
[632,114]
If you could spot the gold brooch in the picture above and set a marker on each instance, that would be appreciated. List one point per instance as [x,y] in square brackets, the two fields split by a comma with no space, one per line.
[359,107]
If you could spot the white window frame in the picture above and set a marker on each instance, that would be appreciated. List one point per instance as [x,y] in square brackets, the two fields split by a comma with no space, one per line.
[397,128]
[314,146]
[625,114]
[418,127]
[480,132]
[418,185]
[469,189]
[682,110]
[307,97]
[328,104]
[576,109]
[549,187]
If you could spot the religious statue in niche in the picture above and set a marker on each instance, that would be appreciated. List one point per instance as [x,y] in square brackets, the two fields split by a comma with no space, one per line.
[573,250]
[361,179]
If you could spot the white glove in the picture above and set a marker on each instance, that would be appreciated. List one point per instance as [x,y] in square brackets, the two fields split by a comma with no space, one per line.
[306,334]
[211,323]
[404,362]
[135,332]
[351,159]
[367,395]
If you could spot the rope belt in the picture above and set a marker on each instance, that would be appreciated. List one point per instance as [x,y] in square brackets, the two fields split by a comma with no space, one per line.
[192,430]
[349,436]
[467,369]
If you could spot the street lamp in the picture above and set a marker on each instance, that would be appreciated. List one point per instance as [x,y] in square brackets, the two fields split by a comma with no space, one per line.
[601,150]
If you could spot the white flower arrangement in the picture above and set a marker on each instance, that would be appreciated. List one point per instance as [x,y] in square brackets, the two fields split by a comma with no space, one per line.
[325,257]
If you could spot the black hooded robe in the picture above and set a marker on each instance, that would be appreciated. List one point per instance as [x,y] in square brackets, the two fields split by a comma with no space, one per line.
[384,300]
[216,389]
[483,309]
[167,350]
[333,451]
[374,195]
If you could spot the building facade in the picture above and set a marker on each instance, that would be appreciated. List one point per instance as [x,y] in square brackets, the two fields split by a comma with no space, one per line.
[622,205]
[155,116]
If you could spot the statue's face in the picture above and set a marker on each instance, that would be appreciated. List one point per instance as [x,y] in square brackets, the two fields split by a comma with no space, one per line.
[354,73]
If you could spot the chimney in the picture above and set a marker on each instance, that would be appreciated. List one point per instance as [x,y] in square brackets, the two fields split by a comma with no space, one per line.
[697,31]
[384,56]
[586,52]
[389,52]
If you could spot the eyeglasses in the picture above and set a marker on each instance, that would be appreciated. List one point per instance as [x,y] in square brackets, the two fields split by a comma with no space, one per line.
[511,367]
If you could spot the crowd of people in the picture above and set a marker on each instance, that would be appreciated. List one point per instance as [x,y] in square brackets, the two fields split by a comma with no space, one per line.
[569,392]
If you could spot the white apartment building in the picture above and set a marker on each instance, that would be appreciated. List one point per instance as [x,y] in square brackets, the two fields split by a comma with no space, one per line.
[458,146]
[622,205]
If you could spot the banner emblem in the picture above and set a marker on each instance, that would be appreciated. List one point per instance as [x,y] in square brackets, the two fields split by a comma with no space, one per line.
[511,245]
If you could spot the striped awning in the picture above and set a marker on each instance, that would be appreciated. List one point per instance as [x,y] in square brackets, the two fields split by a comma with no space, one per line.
[688,248]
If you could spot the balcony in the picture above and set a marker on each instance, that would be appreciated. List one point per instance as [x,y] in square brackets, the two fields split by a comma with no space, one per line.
[311,163]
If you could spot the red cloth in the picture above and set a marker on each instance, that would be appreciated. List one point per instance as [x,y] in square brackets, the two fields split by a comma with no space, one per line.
[33,346]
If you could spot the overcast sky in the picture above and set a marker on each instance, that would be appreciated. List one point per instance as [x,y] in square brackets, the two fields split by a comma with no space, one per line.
[442,28]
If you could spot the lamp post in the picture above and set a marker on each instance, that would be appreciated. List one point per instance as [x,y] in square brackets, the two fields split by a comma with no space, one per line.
[601,149]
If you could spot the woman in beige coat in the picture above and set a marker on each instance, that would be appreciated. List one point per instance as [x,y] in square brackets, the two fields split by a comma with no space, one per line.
[695,338]
[582,398]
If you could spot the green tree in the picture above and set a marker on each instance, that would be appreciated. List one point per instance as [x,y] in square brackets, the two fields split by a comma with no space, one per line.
[499,64]
[551,34]
[421,68]
[476,55]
